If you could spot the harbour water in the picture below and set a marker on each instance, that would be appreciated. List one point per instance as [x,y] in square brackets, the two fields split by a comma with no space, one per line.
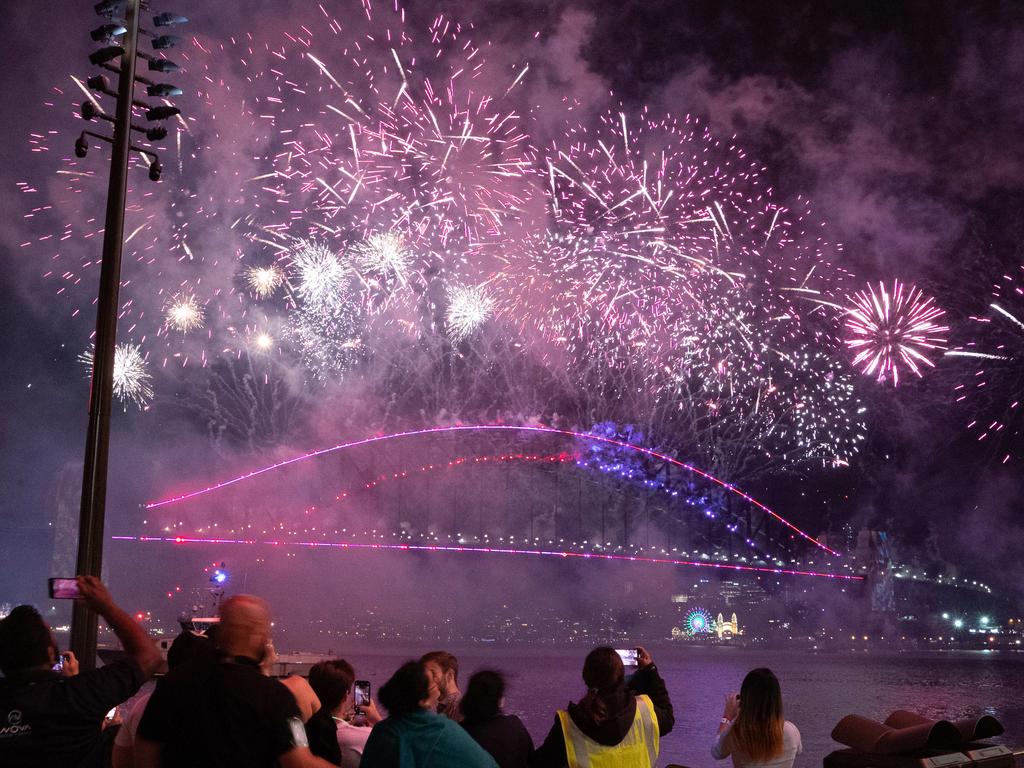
[818,689]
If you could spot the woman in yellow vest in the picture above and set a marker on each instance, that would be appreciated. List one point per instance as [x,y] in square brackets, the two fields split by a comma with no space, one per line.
[617,724]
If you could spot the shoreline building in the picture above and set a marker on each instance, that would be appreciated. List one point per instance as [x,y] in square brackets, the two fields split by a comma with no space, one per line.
[727,630]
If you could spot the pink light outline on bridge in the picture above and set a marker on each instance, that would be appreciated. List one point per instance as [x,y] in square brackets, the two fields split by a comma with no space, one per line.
[494,551]
[494,427]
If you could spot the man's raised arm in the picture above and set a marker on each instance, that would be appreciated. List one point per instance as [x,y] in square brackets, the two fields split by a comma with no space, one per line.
[139,646]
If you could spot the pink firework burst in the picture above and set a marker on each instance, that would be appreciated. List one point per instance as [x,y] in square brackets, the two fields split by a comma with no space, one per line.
[892,329]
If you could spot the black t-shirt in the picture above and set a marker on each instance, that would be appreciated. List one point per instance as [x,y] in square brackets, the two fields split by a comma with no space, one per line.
[222,713]
[504,737]
[323,737]
[47,719]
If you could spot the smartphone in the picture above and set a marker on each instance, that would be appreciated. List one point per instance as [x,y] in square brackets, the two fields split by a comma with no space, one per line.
[59,666]
[360,695]
[628,656]
[64,589]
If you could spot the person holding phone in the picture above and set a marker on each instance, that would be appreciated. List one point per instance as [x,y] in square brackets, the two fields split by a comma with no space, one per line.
[338,732]
[619,721]
[753,730]
[52,718]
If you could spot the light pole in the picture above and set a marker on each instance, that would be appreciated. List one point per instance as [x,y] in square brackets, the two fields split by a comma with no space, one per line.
[94,478]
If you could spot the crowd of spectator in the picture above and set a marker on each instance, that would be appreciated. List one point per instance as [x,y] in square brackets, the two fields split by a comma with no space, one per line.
[219,706]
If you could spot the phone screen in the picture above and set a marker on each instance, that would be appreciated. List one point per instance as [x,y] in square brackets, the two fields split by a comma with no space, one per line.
[628,656]
[361,694]
[64,589]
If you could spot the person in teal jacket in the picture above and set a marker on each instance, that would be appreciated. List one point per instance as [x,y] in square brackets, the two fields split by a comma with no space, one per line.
[413,735]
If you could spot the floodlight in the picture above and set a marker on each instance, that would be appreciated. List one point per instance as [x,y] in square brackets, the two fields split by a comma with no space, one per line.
[163,90]
[107,7]
[162,112]
[168,20]
[88,110]
[103,55]
[163,65]
[98,83]
[81,146]
[156,134]
[155,169]
[107,32]
[165,41]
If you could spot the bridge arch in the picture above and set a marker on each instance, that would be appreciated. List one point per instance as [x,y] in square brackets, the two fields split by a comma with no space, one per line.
[580,456]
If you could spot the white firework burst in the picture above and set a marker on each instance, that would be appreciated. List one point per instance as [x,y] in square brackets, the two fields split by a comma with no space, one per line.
[263,281]
[184,313]
[469,307]
[320,274]
[383,254]
[132,380]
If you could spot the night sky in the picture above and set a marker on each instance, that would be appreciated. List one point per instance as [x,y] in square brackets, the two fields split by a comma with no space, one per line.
[901,123]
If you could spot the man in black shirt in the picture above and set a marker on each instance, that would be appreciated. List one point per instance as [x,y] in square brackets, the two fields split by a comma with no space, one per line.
[222,712]
[47,719]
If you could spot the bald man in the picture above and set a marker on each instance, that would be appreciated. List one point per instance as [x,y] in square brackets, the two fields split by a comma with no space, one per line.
[223,712]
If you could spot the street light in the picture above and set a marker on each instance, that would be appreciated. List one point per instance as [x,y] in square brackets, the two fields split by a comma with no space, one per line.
[94,475]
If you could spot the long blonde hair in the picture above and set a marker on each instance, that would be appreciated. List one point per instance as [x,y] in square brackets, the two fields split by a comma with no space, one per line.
[757,731]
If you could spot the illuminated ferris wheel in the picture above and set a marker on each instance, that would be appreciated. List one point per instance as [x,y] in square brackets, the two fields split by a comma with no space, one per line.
[698,622]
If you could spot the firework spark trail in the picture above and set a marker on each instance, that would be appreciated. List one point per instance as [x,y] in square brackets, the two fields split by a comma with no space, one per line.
[995,390]
[892,329]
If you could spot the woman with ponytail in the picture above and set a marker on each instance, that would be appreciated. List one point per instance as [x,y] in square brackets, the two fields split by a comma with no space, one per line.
[753,730]
[618,722]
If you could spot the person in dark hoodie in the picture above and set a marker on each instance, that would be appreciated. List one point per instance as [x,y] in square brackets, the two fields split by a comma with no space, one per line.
[618,722]
[503,736]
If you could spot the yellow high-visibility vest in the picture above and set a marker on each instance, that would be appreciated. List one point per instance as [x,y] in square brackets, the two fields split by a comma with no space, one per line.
[638,749]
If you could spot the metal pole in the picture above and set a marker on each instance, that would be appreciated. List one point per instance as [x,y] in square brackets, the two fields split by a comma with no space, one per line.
[97,444]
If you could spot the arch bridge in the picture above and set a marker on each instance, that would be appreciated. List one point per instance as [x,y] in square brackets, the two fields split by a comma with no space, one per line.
[498,489]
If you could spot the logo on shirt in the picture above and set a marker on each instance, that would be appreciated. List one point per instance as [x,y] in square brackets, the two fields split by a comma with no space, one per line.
[15,726]
[298,730]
